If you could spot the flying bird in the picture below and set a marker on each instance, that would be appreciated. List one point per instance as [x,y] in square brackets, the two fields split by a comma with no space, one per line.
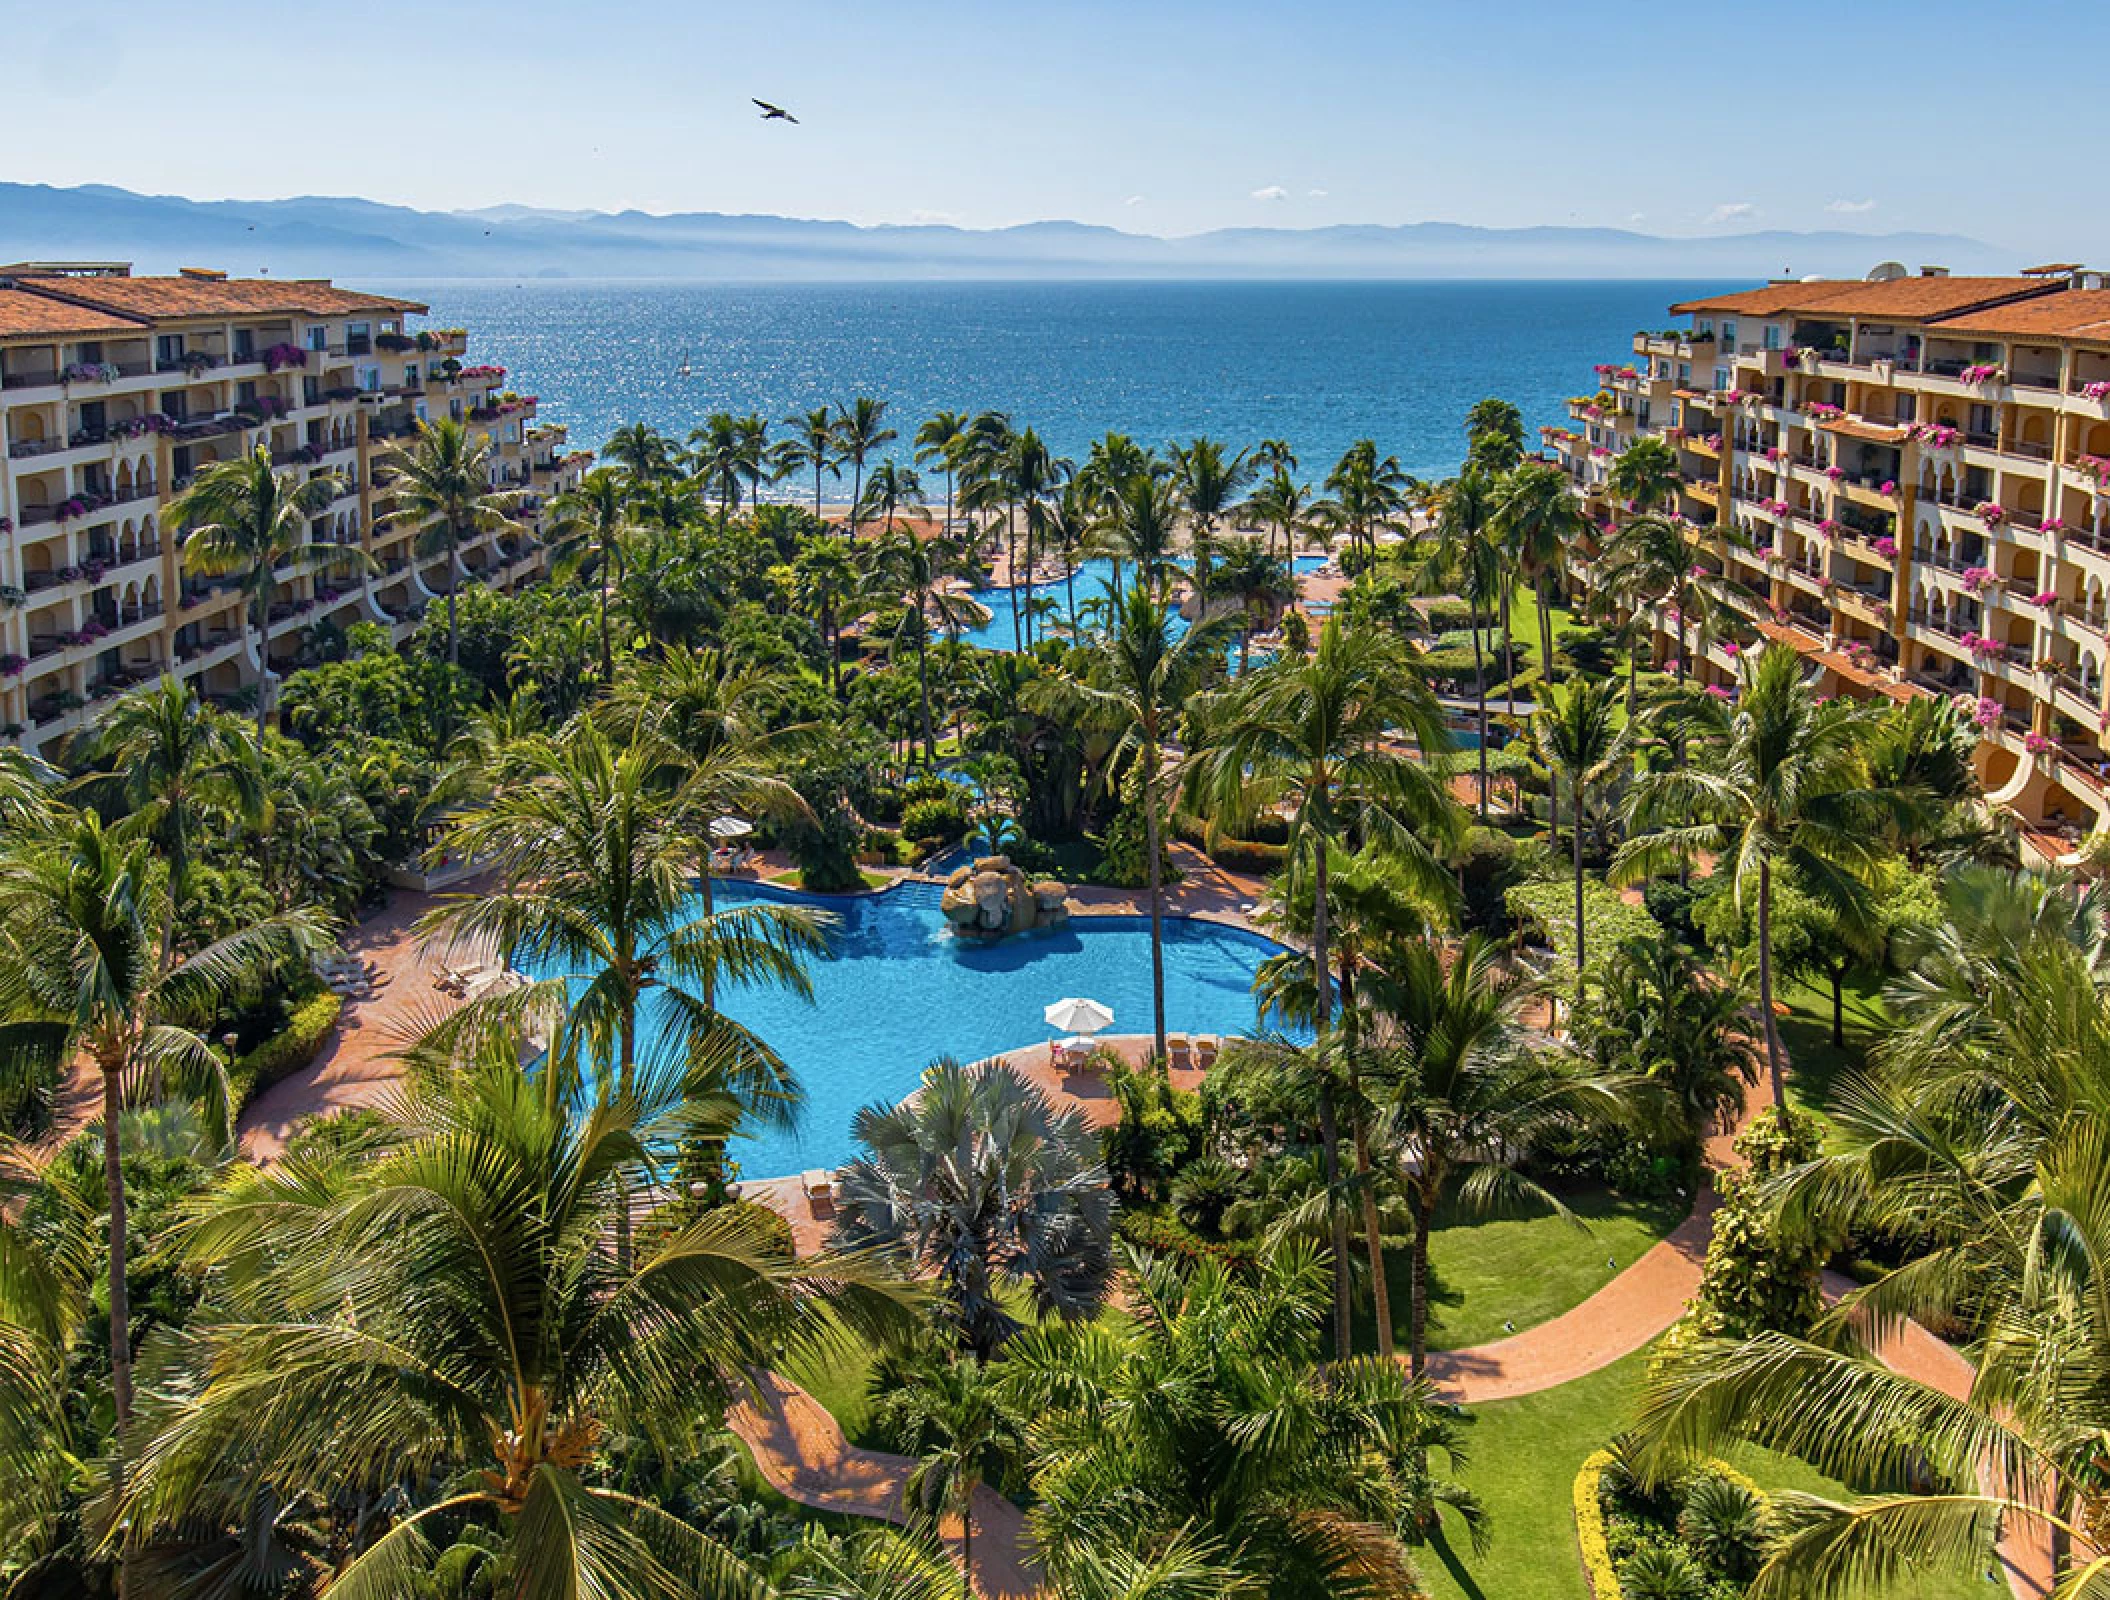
[772,113]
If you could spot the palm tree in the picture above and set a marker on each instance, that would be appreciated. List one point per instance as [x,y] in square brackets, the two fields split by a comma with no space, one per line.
[85,976]
[1283,504]
[592,853]
[245,521]
[587,527]
[1141,524]
[1209,485]
[938,443]
[439,1323]
[1784,789]
[1645,474]
[1648,566]
[812,445]
[860,428]
[1584,743]
[922,570]
[1467,1092]
[828,583]
[1259,581]
[643,452]
[1028,474]
[165,758]
[441,485]
[980,1182]
[892,487]
[1210,1416]
[1071,526]
[1366,494]
[1466,556]
[728,454]
[1539,518]
[1138,676]
[1316,738]
[965,1431]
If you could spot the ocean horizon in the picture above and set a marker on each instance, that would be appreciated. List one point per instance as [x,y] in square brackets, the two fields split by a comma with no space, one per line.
[1319,364]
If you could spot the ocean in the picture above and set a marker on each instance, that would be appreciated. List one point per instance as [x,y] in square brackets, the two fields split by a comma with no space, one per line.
[1317,364]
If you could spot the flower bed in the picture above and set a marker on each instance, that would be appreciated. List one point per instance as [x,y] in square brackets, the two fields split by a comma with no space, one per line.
[1704,1533]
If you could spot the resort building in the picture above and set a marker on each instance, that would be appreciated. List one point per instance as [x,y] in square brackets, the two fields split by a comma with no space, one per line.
[115,391]
[1907,478]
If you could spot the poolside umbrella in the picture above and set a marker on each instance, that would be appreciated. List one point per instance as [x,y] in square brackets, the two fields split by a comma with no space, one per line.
[731,828]
[1077,1016]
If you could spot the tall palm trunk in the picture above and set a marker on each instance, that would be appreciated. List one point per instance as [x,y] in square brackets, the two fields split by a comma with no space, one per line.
[930,736]
[607,651]
[260,619]
[1418,1299]
[120,1292]
[454,585]
[1576,791]
[1765,982]
[1365,1169]
[1480,699]
[1329,1129]
[1028,613]
[1157,895]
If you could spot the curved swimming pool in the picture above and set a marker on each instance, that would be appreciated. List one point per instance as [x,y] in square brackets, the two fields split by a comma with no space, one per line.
[900,991]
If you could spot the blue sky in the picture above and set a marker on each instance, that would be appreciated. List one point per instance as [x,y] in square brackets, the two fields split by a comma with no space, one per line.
[1165,117]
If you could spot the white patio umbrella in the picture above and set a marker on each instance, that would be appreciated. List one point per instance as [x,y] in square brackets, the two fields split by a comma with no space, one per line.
[1078,1017]
[731,828]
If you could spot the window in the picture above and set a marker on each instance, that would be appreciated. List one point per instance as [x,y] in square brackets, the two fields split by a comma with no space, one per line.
[318,337]
[175,404]
[358,338]
[245,344]
[1729,334]
[1721,377]
[370,379]
[410,376]
[168,349]
[1685,372]
[1908,407]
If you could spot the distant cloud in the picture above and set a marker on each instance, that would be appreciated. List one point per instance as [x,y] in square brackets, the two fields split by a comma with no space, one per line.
[1316,194]
[1732,211]
[1271,193]
[1637,216]
[933,218]
[1848,208]
[1133,200]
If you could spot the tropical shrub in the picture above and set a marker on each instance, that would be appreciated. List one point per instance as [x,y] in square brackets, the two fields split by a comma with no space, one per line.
[1160,1131]
[1761,1275]
[312,1021]
[934,820]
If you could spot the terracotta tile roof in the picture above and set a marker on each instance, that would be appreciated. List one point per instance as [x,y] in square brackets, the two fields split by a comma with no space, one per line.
[33,315]
[2069,314]
[1769,301]
[1904,299]
[182,297]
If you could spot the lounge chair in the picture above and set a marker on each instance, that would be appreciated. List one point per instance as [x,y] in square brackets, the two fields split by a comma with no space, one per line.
[1206,1048]
[1177,1050]
[819,1184]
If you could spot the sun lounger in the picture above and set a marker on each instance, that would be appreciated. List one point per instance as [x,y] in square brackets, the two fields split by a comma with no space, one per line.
[1206,1048]
[1177,1050]
[819,1184]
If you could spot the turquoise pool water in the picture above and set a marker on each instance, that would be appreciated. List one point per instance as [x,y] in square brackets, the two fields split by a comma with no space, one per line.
[1090,584]
[900,991]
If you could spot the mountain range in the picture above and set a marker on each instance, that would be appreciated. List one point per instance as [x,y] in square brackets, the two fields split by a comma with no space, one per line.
[346,238]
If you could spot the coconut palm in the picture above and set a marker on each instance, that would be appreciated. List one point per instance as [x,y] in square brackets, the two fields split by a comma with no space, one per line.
[1469,1092]
[1284,505]
[1070,527]
[245,521]
[813,446]
[1029,475]
[938,443]
[1366,493]
[1138,675]
[1316,738]
[441,485]
[922,570]
[1539,518]
[1251,574]
[1494,433]
[1645,474]
[1139,527]
[437,1325]
[729,455]
[1209,483]
[643,452]
[86,976]
[1585,744]
[982,1183]
[1467,556]
[163,759]
[892,488]
[830,586]
[1210,1416]
[860,429]
[593,851]
[1784,789]
[588,524]
[1649,566]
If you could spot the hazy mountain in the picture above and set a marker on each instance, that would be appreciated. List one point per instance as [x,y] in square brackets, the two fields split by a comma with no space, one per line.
[349,237]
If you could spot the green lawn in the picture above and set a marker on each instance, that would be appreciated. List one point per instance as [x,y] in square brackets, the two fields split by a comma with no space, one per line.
[1522,1459]
[1815,1063]
[1484,1272]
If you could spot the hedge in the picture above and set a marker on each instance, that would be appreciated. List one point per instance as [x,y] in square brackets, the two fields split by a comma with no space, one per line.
[1166,1235]
[1240,855]
[286,1051]
[1598,1570]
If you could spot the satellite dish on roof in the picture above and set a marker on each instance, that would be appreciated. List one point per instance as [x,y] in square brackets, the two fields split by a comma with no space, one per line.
[1887,272]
